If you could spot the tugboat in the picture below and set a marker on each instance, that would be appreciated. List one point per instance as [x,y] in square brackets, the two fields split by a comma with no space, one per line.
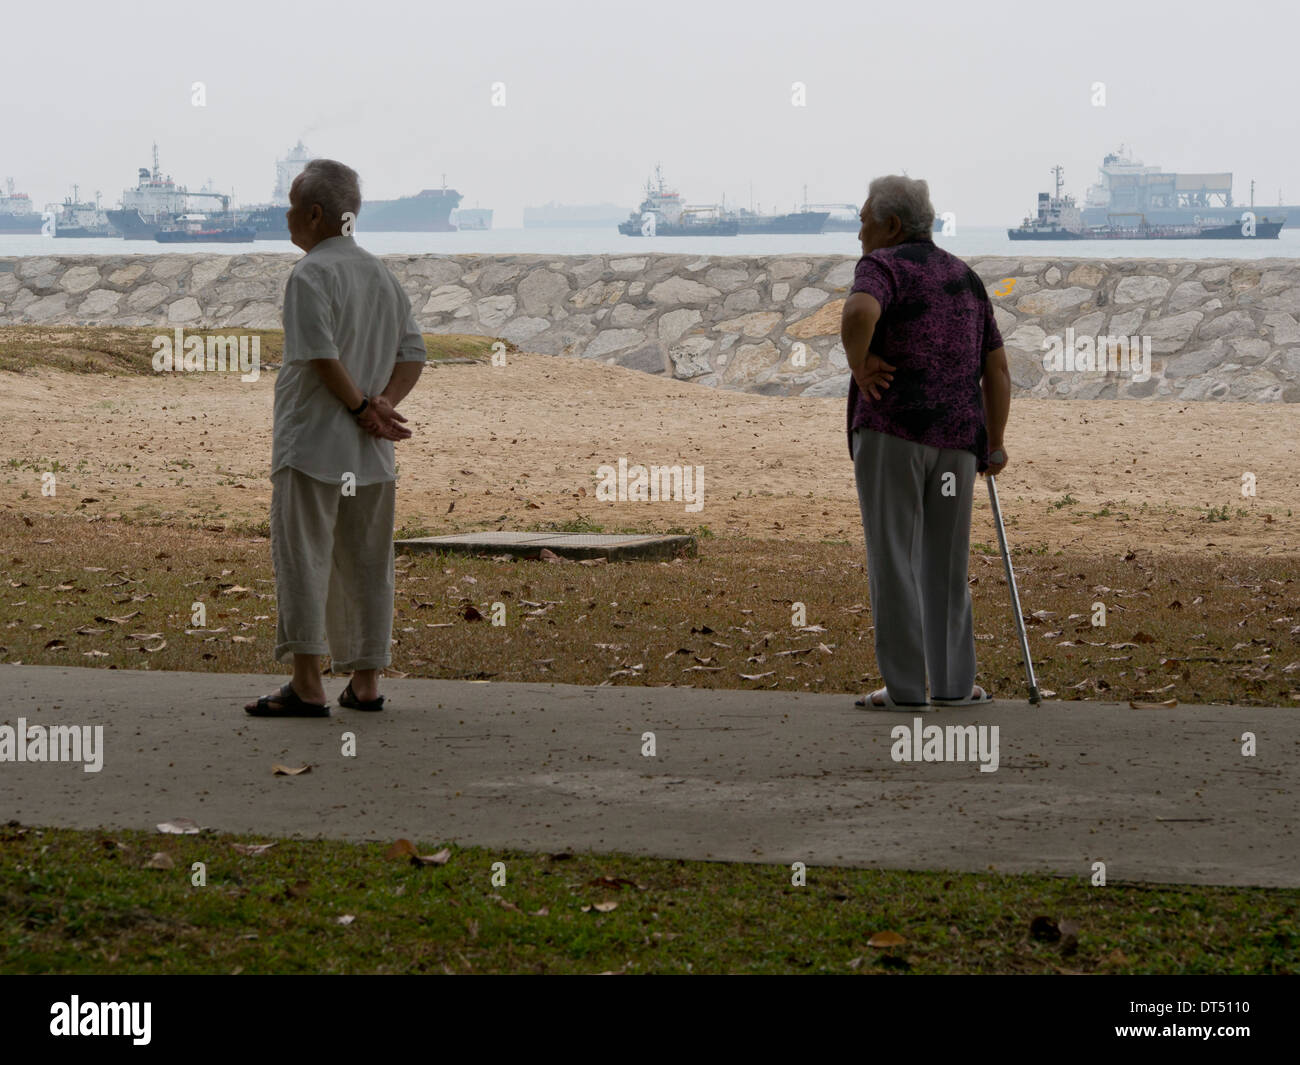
[198,229]
[662,214]
[1059,218]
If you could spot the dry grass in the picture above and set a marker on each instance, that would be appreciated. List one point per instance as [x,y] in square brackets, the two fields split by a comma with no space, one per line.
[129,350]
[1226,632]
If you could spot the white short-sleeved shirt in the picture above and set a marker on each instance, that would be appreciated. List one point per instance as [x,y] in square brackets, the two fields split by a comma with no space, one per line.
[341,303]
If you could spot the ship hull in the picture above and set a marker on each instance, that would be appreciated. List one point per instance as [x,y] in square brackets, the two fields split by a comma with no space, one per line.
[701,229]
[1263,231]
[26,224]
[84,232]
[802,222]
[239,235]
[1186,216]
[1062,234]
[429,212]
[133,226]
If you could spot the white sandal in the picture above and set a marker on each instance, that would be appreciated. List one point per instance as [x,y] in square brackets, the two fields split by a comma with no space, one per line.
[974,700]
[868,702]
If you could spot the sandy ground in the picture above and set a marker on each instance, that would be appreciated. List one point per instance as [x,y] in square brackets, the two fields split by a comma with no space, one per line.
[519,445]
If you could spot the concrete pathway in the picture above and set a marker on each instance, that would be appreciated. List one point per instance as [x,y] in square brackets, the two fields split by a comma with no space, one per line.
[1158,795]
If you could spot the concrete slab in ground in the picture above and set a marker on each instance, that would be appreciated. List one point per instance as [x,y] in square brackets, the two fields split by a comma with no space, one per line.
[1158,795]
[614,547]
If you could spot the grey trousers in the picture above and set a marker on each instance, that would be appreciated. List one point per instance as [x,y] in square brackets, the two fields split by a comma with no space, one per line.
[333,559]
[918,545]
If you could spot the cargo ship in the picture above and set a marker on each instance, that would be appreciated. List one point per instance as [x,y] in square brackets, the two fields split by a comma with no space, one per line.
[662,214]
[1125,186]
[155,204]
[17,215]
[1059,218]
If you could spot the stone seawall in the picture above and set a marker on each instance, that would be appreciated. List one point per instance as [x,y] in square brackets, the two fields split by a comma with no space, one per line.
[1217,328]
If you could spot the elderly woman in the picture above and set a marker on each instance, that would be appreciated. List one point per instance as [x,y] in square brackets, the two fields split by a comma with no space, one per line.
[352,352]
[928,405]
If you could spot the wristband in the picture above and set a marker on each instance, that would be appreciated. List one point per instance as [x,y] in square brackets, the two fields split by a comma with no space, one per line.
[365,402]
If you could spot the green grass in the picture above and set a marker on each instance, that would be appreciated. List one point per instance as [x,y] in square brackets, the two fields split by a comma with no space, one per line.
[82,902]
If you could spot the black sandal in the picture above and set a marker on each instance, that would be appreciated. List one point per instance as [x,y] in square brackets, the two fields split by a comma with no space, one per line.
[291,705]
[350,700]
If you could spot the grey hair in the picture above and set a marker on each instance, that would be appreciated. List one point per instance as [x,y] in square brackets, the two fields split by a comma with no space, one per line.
[908,198]
[337,188]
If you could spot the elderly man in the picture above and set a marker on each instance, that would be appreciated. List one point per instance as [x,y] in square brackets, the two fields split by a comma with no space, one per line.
[928,405]
[352,352]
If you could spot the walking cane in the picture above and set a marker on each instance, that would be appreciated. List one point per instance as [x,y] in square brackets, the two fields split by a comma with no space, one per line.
[1034,698]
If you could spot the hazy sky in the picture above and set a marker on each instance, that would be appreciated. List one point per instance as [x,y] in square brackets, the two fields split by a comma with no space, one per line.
[981,99]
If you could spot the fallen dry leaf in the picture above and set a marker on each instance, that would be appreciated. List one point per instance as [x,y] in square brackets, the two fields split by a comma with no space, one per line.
[180,826]
[160,861]
[886,939]
[286,771]
[1168,704]
[441,858]
[403,848]
[252,848]
[346,918]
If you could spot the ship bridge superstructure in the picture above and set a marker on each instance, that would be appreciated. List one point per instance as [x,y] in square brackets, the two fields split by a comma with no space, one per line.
[1126,186]
[286,170]
[154,195]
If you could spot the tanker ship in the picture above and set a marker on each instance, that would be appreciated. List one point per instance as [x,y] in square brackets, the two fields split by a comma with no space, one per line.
[662,214]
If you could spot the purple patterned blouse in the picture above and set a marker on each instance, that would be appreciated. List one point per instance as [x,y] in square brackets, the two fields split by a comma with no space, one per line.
[936,327]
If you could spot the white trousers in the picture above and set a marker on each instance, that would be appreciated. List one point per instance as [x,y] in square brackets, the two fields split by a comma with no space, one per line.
[333,559]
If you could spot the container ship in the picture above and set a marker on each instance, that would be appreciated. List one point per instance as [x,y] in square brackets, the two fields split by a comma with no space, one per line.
[1125,186]
[17,215]
[662,214]
[1059,218]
